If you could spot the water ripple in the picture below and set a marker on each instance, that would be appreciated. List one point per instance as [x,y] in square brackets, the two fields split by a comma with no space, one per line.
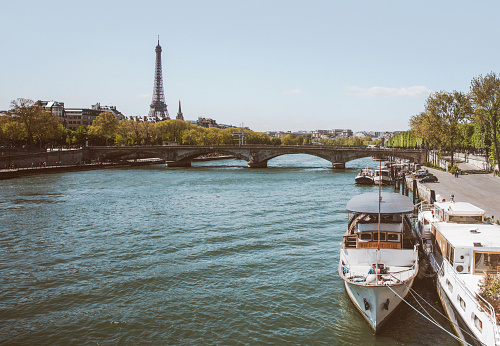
[219,254]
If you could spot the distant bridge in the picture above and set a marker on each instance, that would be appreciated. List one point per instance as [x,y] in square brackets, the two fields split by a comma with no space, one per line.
[256,155]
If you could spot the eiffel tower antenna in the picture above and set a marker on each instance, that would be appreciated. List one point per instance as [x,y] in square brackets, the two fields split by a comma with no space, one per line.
[158,109]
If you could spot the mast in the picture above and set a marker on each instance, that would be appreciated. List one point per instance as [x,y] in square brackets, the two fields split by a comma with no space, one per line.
[379,201]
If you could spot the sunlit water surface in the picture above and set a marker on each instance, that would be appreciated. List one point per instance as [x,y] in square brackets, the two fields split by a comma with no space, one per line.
[212,254]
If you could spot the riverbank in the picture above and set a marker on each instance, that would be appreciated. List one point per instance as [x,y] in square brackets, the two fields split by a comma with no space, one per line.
[19,172]
[24,171]
[482,190]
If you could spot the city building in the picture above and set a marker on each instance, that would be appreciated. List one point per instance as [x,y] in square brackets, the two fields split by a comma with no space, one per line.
[361,134]
[77,117]
[319,133]
[206,122]
[56,108]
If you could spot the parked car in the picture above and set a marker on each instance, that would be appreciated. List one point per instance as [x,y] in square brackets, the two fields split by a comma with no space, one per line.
[429,179]
[421,175]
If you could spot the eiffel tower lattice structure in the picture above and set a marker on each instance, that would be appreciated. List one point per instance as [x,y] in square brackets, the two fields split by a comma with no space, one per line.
[158,109]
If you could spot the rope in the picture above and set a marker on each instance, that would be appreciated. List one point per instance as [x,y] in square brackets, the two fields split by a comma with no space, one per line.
[444,316]
[427,312]
[428,319]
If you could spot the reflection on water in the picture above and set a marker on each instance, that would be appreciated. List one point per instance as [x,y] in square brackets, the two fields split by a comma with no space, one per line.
[212,254]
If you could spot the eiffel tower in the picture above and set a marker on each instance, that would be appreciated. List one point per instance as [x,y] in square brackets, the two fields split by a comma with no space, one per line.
[158,109]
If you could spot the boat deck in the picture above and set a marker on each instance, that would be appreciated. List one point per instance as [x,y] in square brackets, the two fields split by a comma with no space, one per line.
[393,275]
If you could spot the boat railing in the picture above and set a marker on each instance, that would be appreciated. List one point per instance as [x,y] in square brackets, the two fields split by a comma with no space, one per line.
[383,278]
[403,275]
[426,207]
[480,303]
[435,264]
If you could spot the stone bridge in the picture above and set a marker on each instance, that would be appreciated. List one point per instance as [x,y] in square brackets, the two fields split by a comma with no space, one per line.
[256,155]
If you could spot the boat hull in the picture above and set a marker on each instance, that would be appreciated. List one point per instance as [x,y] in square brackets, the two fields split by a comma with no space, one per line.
[385,181]
[461,328]
[377,303]
[363,180]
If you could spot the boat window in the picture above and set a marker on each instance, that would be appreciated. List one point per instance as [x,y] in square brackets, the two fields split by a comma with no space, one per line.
[477,322]
[392,237]
[486,262]
[462,302]
[375,236]
[450,286]
[450,253]
[465,218]
[365,236]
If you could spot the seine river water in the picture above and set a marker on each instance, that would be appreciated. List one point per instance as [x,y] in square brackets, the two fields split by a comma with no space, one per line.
[215,254]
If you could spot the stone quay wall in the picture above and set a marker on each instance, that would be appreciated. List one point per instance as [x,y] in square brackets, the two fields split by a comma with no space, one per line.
[49,158]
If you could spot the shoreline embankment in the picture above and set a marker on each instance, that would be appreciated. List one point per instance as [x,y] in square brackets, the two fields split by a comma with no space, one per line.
[482,190]
[60,161]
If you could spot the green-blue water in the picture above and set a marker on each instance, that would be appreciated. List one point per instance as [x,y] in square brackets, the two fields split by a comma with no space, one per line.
[216,254]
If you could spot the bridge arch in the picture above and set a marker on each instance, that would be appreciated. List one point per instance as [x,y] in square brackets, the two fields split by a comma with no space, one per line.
[257,156]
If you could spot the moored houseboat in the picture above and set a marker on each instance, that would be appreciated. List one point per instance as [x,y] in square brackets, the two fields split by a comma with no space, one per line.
[364,177]
[464,252]
[378,255]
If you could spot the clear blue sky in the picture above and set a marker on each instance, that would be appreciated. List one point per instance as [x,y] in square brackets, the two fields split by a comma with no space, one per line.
[270,64]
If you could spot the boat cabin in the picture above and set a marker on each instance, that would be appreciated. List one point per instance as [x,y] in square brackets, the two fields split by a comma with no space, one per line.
[365,232]
[469,244]
[395,227]
[383,172]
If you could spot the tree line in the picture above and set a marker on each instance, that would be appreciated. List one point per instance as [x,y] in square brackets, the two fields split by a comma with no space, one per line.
[32,126]
[456,120]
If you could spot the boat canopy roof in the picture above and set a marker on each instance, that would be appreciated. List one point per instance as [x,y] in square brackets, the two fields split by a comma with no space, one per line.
[459,208]
[391,203]
[476,235]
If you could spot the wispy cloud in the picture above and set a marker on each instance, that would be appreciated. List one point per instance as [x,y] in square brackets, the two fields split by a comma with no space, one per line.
[144,96]
[413,91]
[292,92]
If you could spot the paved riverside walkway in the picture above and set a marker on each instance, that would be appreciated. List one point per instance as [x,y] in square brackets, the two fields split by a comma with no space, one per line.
[482,190]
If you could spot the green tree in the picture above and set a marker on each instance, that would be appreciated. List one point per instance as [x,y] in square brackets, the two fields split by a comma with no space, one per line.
[485,96]
[130,132]
[81,135]
[48,129]
[37,124]
[288,139]
[173,130]
[104,127]
[11,130]
[28,114]
[448,110]
[276,141]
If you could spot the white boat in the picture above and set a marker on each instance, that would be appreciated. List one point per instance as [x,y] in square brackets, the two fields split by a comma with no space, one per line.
[378,274]
[463,249]
[364,177]
[382,176]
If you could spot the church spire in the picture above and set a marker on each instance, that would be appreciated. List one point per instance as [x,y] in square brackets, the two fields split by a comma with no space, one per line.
[179,113]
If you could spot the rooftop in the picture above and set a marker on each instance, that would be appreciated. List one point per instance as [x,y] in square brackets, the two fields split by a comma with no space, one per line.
[459,208]
[470,235]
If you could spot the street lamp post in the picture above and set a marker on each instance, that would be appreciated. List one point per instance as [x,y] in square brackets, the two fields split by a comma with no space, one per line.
[10,148]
